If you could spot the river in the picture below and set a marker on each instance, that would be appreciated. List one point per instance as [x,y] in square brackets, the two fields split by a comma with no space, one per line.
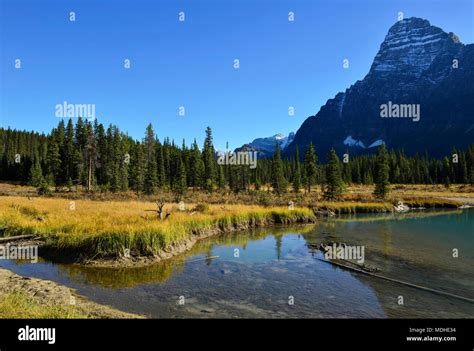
[275,272]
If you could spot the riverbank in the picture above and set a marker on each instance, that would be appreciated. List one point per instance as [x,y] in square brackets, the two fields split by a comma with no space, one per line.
[131,233]
[24,297]
[279,261]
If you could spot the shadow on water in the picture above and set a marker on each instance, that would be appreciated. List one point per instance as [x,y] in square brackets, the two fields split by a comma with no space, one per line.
[258,273]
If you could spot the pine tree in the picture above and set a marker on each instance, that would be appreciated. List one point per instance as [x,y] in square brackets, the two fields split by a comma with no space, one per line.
[137,171]
[196,167]
[102,162]
[79,132]
[123,157]
[161,167]
[297,172]
[151,177]
[382,179]
[279,183]
[208,155]
[179,183]
[221,181]
[90,156]
[36,174]
[310,167]
[333,184]
[69,168]
[54,161]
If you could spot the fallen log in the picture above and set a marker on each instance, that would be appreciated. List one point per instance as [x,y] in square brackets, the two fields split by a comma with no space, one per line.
[463,298]
[18,237]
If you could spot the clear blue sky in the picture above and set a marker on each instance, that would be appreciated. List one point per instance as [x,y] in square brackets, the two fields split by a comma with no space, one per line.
[190,64]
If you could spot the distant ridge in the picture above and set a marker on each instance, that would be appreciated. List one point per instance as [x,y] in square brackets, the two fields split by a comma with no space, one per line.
[265,147]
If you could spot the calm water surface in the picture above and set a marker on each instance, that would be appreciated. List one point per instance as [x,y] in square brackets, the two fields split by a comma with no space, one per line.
[276,265]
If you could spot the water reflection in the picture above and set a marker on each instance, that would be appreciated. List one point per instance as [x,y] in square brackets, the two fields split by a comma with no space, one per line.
[276,263]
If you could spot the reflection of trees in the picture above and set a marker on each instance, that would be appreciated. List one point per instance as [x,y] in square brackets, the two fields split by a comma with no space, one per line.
[123,277]
[278,246]
[162,271]
[396,216]
[208,256]
[385,230]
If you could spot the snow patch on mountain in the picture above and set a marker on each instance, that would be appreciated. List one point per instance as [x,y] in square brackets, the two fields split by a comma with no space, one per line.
[286,140]
[376,143]
[350,141]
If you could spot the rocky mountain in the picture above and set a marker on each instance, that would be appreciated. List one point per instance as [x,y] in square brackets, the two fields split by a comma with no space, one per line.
[418,96]
[266,146]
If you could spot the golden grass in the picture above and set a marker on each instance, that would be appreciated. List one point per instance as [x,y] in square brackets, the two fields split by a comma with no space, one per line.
[94,229]
[109,228]
[348,207]
[17,305]
[416,190]
[356,193]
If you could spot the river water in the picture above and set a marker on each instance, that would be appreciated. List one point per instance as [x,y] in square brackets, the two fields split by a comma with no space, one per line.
[275,272]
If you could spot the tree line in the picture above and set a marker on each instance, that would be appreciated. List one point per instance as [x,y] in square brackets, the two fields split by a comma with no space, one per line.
[106,159]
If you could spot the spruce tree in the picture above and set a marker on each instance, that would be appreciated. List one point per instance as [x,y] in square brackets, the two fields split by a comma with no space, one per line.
[297,172]
[54,161]
[310,167]
[36,174]
[161,167]
[221,180]
[91,156]
[179,181]
[279,183]
[333,183]
[69,167]
[208,155]
[151,177]
[102,162]
[137,170]
[123,168]
[382,173]
[196,167]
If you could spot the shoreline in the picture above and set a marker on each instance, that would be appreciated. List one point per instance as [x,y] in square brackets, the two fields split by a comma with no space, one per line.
[20,295]
[108,234]
[172,250]
[52,295]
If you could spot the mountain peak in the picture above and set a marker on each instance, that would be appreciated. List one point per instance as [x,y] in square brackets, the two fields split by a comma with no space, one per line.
[407,24]
[414,66]
[410,47]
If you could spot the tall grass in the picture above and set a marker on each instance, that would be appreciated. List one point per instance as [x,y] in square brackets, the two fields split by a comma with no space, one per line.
[103,229]
[89,229]
[18,305]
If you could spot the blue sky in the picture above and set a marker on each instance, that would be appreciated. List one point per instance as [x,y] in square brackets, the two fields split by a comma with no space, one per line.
[190,64]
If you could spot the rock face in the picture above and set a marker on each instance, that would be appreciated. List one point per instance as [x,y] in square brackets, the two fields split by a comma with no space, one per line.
[266,146]
[418,67]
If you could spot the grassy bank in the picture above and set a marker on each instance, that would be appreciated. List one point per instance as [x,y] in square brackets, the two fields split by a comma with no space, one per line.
[19,305]
[82,230]
[27,297]
[92,229]
[350,207]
